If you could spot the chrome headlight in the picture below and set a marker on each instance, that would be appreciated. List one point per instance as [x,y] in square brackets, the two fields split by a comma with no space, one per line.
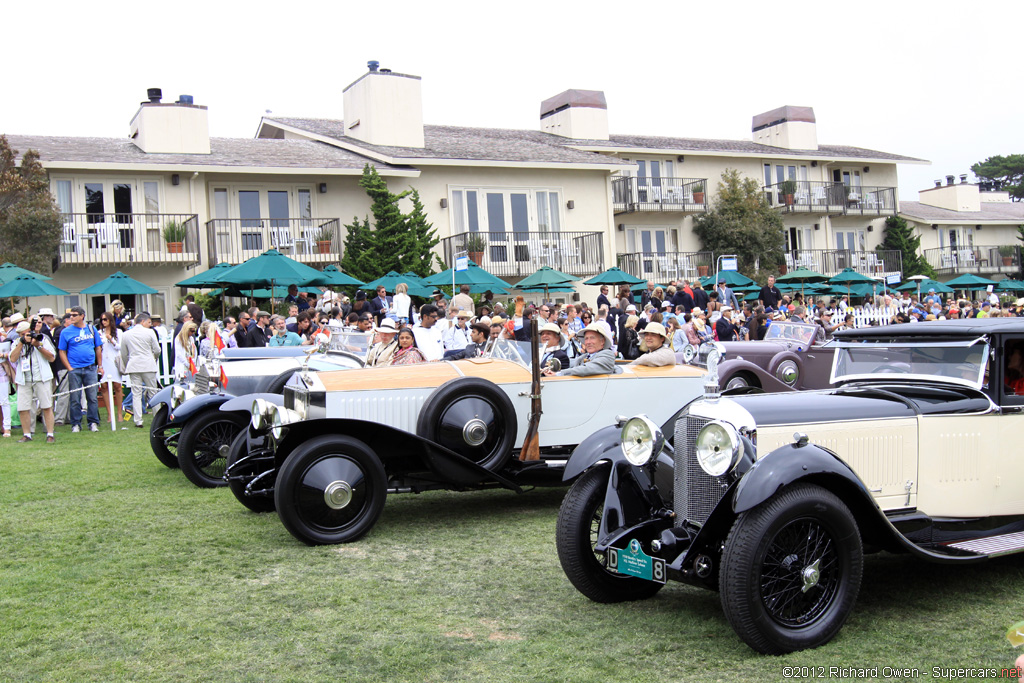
[642,441]
[281,418]
[262,413]
[179,395]
[717,448]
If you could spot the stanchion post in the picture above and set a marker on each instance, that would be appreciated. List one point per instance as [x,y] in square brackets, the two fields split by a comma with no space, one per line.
[110,406]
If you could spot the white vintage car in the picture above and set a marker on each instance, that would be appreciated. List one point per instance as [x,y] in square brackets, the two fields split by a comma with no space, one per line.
[343,440]
[773,499]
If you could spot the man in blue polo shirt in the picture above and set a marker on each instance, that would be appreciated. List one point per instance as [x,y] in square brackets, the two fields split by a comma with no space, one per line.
[80,347]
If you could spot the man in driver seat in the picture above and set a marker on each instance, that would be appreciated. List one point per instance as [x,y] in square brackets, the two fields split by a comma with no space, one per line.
[597,358]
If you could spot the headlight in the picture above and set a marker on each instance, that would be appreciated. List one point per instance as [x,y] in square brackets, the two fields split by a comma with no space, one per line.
[718,448]
[179,395]
[262,413]
[641,441]
[282,417]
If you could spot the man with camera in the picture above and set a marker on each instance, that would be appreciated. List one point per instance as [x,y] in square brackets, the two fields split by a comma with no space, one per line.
[80,349]
[31,356]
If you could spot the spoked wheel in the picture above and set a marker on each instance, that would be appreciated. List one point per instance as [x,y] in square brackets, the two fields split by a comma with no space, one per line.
[158,433]
[243,475]
[576,536]
[791,570]
[199,447]
[331,489]
[472,417]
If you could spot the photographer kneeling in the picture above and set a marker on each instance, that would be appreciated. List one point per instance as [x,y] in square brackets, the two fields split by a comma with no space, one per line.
[31,356]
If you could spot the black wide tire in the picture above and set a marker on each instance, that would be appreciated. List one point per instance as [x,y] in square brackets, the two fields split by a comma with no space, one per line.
[767,594]
[579,519]
[199,446]
[157,434]
[238,451]
[308,475]
[457,403]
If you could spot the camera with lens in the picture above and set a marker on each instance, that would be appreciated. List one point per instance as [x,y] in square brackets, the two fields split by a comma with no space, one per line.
[36,336]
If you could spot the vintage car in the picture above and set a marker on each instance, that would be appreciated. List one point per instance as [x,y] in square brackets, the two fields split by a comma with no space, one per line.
[342,441]
[189,426]
[773,499]
[787,358]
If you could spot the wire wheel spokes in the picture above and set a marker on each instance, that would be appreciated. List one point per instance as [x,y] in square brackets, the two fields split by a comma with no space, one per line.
[800,573]
[207,453]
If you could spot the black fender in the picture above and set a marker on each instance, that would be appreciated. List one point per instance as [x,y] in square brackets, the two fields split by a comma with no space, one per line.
[604,445]
[401,452]
[243,403]
[162,396]
[197,404]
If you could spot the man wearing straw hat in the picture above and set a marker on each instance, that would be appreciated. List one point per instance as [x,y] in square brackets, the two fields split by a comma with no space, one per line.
[31,356]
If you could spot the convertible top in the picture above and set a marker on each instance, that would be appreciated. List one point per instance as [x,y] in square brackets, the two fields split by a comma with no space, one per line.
[937,328]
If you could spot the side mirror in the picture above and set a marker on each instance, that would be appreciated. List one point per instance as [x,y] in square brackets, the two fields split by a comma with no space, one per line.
[553,364]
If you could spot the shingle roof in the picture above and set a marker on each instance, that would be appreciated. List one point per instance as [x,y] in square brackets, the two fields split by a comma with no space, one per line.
[990,211]
[223,152]
[458,142]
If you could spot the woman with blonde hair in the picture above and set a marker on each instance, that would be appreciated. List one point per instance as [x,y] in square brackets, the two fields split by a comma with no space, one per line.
[401,303]
[184,349]
[629,345]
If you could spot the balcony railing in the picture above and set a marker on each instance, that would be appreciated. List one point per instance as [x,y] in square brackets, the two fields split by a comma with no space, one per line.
[127,238]
[518,254]
[832,261]
[987,260]
[663,267]
[307,240]
[812,196]
[631,194]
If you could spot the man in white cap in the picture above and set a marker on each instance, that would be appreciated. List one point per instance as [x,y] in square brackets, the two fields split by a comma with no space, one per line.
[456,337]
[31,355]
[659,353]
[597,357]
[383,351]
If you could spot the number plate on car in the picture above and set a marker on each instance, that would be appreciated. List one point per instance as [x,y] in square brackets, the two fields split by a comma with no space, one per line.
[633,561]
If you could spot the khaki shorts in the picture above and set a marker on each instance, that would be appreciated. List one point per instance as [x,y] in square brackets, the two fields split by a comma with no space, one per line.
[41,391]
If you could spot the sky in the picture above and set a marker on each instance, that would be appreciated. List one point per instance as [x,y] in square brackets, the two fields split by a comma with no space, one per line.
[931,80]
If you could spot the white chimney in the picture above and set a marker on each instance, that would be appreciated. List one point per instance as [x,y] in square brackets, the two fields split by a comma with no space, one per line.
[385,108]
[953,196]
[170,128]
[579,114]
[787,127]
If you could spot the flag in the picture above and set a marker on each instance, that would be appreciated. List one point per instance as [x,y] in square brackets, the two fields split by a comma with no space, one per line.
[223,377]
[218,343]
[191,365]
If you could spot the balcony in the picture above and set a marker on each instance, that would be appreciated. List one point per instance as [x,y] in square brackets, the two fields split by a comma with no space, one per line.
[833,199]
[128,238]
[631,194]
[518,254]
[987,260]
[832,261]
[663,267]
[313,241]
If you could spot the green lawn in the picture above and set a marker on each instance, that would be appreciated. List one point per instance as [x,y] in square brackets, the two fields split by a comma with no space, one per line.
[113,567]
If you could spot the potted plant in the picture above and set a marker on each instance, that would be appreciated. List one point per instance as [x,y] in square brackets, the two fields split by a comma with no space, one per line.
[474,244]
[788,189]
[174,235]
[324,239]
[698,192]
[1007,251]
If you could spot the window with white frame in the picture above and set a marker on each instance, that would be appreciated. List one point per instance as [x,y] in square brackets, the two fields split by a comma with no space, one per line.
[267,216]
[518,221]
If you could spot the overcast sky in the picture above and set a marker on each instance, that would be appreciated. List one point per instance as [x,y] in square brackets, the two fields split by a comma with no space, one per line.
[929,80]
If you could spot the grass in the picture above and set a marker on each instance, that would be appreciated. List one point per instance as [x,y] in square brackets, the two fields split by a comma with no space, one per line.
[115,568]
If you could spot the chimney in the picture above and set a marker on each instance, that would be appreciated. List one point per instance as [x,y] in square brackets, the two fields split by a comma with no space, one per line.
[952,196]
[578,114]
[786,127]
[963,178]
[170,128]
[385,108]
[950,179]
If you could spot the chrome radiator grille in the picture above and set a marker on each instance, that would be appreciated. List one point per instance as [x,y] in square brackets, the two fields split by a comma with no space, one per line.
[696,492]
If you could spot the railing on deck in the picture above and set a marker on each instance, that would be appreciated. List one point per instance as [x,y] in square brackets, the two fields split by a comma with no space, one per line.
[832,261]
[663,267]
[659,194]
[307,240]
[812,196]
[515,254]
[987,260]
[128,238]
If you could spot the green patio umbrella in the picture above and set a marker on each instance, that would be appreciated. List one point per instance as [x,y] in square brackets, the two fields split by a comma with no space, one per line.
[557,289]
[1010,286]
[544,279]
[970,281]
[119,283]
[261,293]
[9,271]
[802,276]
[478,279]
[733,279]
[925,284]
[413,277]
[25,286]
[205,278]
[849,277]
[615,276]
[392,279]
[338,278]
[271,268]
[642,285]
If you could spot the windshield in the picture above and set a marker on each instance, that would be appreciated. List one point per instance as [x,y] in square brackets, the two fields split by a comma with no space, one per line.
[961,363]
[800,333]
[509,349]
[355,343]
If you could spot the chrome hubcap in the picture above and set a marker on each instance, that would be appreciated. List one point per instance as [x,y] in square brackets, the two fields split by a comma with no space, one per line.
[810,576]
[475,432]
[338,494]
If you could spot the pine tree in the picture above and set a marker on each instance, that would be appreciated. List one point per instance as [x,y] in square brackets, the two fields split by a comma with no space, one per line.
[361,256]
[30,223]
[422,238]
[900,237]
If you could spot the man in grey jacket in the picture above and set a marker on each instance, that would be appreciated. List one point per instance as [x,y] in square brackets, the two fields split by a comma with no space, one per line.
[597,358]
[139,353]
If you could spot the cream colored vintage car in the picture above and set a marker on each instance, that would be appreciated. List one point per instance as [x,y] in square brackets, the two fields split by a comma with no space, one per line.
[773,499]
[342,441]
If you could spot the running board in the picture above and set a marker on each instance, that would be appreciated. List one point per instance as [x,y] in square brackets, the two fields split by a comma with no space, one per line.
[993,546]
